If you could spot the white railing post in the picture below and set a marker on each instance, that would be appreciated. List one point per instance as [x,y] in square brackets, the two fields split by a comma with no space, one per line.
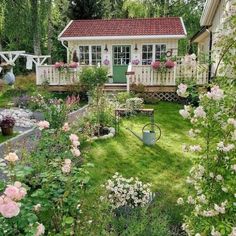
[129,71]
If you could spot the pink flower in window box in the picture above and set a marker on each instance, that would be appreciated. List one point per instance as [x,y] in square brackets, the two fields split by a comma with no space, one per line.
[73,65]
[58,65]
[169,64]
[156,65]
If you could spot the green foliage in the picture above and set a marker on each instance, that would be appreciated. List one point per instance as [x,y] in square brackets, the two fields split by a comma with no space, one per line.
[93,77]
[56,114]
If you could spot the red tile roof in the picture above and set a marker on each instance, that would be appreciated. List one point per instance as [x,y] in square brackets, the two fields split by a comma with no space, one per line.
[125,27]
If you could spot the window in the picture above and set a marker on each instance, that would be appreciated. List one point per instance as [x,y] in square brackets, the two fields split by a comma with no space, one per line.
[160,51]
[84,55]
[147,54]
[96,55]
[121,55]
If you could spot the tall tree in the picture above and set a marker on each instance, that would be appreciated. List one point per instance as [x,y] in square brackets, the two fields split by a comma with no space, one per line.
[85,9]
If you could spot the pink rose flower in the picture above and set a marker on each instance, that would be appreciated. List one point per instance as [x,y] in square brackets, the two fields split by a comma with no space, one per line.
[74,137]
[11,157]
[43,125]
[75,143]
[75,152]
[9,208]
[66,168]
[66,127]
[15,192]
[40,230]
[216,93]
[182,90]
[199,112]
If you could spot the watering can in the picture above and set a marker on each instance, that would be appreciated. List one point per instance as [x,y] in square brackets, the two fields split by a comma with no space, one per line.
[150,136]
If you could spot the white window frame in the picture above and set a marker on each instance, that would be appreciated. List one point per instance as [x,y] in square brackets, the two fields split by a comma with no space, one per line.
[91,54]
[153,50]
[90,51]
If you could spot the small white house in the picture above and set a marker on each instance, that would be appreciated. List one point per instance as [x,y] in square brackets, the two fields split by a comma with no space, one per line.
[117,42]
[213,19]
[123,45]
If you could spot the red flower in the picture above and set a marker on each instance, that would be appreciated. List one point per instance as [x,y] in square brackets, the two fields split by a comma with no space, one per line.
[169,64]
[156,65]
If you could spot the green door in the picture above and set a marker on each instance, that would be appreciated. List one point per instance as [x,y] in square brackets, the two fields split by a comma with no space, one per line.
[121,59]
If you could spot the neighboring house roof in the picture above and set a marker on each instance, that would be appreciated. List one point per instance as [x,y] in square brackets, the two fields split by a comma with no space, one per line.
[124,28]
[200,35]
[209,12]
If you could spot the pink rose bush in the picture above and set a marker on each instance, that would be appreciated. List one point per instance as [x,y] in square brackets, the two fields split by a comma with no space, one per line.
[8,201]
[40,230]
[212,178]
[8,207]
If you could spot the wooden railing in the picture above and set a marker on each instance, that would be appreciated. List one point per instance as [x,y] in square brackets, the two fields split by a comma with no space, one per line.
[48,74]
[141,74]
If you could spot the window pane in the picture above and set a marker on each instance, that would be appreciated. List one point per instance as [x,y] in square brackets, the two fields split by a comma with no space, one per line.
[147,54]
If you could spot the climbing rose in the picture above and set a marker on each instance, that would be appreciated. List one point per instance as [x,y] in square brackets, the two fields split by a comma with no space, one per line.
[8,208]
[185,114]
[73,137]
[66,127]
[216,93]
[182,90]
[199,112]
[11,157]
[43,125]
[232,121]
[40,230]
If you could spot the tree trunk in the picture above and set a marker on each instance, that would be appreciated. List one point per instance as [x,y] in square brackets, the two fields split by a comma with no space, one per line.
[50,31]
[36,27]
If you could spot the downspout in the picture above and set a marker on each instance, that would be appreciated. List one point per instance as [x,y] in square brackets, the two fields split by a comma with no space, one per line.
[210,56]
[67,50]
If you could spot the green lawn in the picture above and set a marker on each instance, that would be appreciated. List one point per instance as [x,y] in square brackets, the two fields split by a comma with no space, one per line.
[163,165]
[5,138]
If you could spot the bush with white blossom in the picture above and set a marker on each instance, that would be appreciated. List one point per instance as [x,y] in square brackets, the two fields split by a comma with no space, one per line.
[212,202]
[130,192]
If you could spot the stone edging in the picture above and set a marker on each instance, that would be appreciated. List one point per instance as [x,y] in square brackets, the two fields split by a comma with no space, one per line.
[27,140]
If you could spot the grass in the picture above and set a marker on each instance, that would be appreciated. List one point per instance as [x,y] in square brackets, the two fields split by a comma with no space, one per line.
[163,165]
[5,138]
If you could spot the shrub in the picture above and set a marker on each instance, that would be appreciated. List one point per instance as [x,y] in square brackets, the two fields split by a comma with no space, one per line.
[122,192]
[56,113]
[133,104]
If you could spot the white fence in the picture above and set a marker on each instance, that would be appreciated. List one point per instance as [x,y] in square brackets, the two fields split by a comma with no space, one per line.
[141,74]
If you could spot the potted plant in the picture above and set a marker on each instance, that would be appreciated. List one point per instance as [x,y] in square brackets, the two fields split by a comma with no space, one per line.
[7,123]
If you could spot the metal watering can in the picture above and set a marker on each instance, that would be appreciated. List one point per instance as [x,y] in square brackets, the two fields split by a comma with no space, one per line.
[150,136]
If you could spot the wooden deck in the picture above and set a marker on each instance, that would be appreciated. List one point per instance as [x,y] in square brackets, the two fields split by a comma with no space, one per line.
[113,88]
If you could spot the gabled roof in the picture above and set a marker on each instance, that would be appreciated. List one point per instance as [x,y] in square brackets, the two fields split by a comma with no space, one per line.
[209,12]
[124,28]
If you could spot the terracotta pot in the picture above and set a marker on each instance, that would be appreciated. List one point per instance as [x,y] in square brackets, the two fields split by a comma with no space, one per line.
[7,131]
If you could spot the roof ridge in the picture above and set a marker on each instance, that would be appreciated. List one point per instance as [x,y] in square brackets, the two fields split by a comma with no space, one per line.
[131,19]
